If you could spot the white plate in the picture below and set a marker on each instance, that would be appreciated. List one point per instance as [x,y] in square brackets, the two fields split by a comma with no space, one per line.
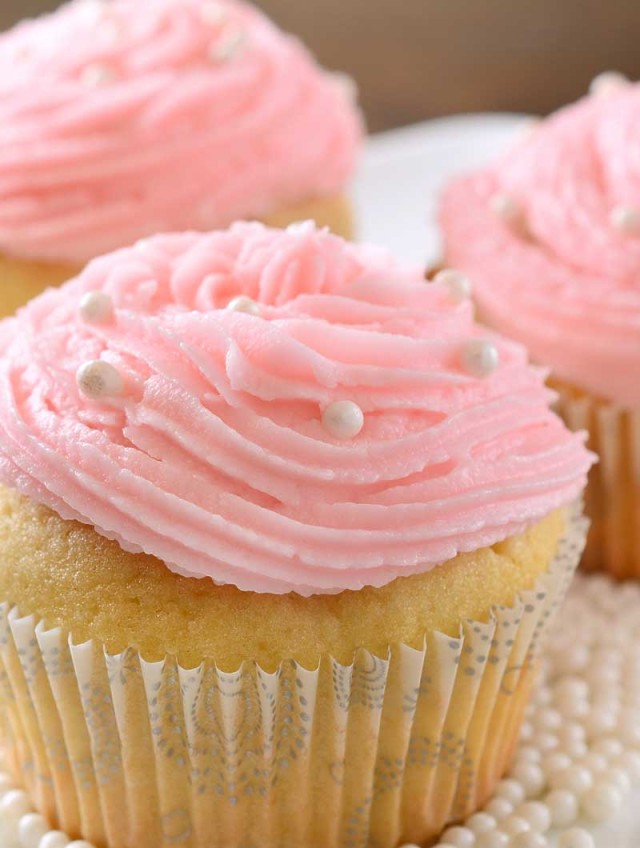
[397,194]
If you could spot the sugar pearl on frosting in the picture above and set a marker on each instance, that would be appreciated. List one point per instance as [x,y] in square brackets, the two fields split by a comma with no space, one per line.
[228,47]
[343,419]
[480,357]
[457,284]
[96,307]
[607,83]
[98,74]
[213,12]
[244,304]
[98,379]
[504,206]
[626,219]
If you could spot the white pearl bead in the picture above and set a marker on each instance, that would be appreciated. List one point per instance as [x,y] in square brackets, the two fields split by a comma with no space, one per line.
[596,763]
[98,74]
[504,206]
[555,761]
[31,829]
[459,837]
[629,761]
[548,719]
[492,839]
[576,838]
[626,219]
[14,806]
[96,307]
[563,807]
[618,778]
[607,83]
[572,688]
[574,778]
[480,823]
[499,808]
[601,803]
[531,777]
[480,357]
[343,419]
[228,47]
[213,13]
[536,813]
[98,379]
[529,840]
[244,304]
[511,790]
[457,284]
[54,839]
[528,754]
[514,825]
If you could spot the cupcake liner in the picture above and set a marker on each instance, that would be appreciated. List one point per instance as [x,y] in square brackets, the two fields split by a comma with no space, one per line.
[125,752]
[612,499]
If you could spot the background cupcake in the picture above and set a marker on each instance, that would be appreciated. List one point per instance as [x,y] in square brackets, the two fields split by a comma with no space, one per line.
[122,119]
[281,532]
[551,238]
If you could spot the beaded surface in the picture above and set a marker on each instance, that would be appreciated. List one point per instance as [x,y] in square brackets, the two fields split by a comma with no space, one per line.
[579,754]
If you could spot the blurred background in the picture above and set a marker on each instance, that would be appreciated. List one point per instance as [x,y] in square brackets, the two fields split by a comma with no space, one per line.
[416,59]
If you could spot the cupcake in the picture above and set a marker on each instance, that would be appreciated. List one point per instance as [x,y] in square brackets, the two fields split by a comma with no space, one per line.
[550,236]
[282,530]
[122,119]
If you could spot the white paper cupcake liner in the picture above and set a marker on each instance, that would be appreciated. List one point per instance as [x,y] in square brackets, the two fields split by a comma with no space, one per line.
[132,754]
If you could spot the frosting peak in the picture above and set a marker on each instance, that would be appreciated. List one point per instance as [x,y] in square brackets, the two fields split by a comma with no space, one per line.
[562,273]
[219,452]
[125,118]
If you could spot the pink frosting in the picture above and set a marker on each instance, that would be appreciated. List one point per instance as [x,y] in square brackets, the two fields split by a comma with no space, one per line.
[126,118]
[215,458]
[567,282]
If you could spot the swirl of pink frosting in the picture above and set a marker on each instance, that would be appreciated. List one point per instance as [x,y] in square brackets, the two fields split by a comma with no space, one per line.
[215,458]
[562,273]
[126,118]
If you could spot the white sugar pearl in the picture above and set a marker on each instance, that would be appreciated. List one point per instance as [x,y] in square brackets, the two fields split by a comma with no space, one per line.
[504,206]
[529,840]
[563,807]
[31,830]
[14,806]
[228,47]
[244,304]
[607,83]
[98,379]
[514,825]
[531,777]
[536,813]
[617,777]
[629,761]
[572,687]
[528,754]
[511,790]
[626,219]
[545,742]
[481,823]
[629,729]
[98,74]
[480,357]
[54,839]
[456,283]
[96,307]
[555,761]
[343,419]
[213,13]
[577,837]
[492,839]
[499,808]
[526,731]
[548,719]
[596,763]
[459,837]
[601,803]
[574,778]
